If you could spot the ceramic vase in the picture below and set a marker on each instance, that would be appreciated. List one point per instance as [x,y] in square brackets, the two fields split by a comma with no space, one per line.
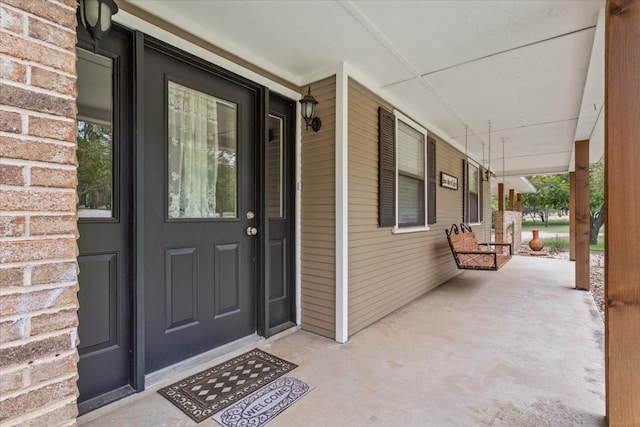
[536,244]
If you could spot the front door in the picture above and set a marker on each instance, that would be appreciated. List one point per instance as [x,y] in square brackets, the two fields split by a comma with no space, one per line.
[200,220]
[104,137]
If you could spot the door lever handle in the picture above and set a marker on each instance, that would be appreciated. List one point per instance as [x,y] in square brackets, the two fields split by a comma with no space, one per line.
[252,231]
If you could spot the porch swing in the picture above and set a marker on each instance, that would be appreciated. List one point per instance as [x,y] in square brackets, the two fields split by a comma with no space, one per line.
[467,252]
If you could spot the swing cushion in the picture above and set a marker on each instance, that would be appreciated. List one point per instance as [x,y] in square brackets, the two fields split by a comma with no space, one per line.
[471,255]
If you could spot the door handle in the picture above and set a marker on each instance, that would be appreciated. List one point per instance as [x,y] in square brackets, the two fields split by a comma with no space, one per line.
[252,231]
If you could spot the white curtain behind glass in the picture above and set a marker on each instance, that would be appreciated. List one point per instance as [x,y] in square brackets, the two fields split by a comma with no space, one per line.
[193,150]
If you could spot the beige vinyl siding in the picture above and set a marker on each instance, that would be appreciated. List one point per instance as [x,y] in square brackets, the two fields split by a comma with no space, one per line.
[387,271]
[318,248]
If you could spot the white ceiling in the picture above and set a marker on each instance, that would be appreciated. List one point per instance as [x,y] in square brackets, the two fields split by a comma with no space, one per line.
[530,67]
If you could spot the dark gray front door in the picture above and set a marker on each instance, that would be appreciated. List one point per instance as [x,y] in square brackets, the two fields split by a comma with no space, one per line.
[280,191]
[104,164]
[200,133]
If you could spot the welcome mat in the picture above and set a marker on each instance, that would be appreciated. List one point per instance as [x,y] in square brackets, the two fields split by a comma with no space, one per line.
[263,405]
[207,392]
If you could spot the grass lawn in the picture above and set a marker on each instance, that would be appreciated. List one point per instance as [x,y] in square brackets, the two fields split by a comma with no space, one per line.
[558,225]
[562,244]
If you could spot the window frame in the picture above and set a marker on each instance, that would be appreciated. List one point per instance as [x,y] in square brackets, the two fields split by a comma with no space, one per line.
[409,228]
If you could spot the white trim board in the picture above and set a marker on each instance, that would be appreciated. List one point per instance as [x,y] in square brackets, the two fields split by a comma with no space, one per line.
[342,203]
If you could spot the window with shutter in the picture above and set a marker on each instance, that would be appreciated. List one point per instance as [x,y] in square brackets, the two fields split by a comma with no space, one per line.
[407,174]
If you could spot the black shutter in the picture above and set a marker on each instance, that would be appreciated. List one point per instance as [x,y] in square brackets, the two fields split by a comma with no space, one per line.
[481,190]
[465,171]
[386,168]
[431,180]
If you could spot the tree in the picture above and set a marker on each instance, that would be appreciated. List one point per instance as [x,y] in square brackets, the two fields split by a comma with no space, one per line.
[95,159]
[596,201]
[552,194]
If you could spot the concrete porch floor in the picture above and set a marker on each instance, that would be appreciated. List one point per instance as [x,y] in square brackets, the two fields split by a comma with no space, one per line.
[518,347]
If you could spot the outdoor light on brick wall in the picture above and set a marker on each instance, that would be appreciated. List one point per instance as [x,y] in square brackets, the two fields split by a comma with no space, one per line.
[95,16]
[308,106]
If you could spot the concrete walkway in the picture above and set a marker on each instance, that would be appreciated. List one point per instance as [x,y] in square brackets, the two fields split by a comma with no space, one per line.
[518,347]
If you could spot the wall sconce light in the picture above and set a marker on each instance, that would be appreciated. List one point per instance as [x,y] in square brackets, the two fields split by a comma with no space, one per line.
[308,106]
[486,175]
[95,16]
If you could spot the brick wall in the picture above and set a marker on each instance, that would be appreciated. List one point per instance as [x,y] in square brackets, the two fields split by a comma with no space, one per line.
[38,271]
[509,228]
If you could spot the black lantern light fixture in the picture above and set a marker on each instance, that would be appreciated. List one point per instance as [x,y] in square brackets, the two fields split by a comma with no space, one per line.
[308,106]
[95,16]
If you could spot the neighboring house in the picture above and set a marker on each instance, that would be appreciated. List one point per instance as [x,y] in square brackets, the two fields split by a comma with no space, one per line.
[206,212]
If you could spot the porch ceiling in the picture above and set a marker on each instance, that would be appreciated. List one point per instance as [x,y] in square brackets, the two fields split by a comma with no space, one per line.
[534,68]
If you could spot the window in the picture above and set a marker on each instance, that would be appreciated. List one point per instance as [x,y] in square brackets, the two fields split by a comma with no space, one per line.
[473,193]
[411,167]
[407,175]
[202,154]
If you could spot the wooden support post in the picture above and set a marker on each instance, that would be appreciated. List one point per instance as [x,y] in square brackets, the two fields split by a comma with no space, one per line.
[519,201]
[500,197]
[622,201]
[582,215]
[572,216]
[512,195]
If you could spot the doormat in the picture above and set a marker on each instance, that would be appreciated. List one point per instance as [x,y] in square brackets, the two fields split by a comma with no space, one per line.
[265,404]
[207,392]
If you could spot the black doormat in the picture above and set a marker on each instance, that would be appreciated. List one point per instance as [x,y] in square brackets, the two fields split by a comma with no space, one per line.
[207,392]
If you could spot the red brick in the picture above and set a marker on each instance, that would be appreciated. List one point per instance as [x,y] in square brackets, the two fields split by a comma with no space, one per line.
[44,370]
[11,175]
[43,274]
[50,11]
[53,81]
[10,277]
[11,20]
[11,226]
[49,177]
[13,148]
[56,417]
[49,322]
[34,250]
[35,101]
[70,3]
[46,201]
[26,302]
[12,70]
[28,352]
[11,330]
[29,401]
[36,52]
[55,129]
[49,34]
[10,122]
[10,381]
[47,225]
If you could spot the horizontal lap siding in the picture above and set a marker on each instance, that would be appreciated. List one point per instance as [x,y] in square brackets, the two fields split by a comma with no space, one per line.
[318,248]
[387,271]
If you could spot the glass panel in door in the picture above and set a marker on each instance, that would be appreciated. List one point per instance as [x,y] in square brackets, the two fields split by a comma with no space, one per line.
[274,167]
[95,136]
[202,152]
